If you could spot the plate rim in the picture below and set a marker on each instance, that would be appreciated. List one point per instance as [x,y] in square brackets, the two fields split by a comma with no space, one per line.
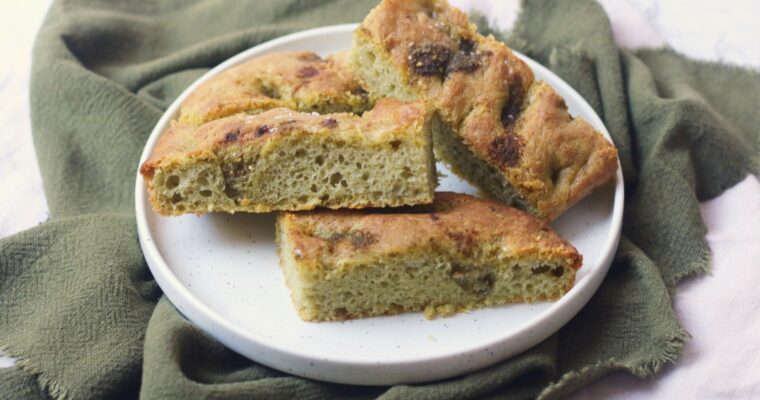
[551,319]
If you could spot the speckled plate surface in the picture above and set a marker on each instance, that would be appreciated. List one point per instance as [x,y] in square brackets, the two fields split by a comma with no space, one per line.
[222,273]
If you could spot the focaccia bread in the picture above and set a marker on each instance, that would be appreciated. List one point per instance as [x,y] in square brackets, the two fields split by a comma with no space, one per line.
[297,80]
[459,253]
[286,160]
[496,125]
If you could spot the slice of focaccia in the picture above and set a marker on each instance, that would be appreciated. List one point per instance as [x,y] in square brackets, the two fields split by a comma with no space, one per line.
[459,253]
[495,124]
[297,80]
[286,160]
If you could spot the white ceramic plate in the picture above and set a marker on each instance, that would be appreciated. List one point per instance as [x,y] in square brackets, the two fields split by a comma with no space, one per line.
[222,273]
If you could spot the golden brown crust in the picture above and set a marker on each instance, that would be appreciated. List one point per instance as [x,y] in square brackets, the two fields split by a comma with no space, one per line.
[455,223]
[390,118]
[517,125]
[297,80]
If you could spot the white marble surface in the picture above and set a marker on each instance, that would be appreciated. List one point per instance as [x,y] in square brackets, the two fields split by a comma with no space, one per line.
[22,202]
[719,310]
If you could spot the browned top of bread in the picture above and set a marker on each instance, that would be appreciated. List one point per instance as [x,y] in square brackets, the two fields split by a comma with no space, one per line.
[515,123]
[456,223]
[389,120]
[297,80]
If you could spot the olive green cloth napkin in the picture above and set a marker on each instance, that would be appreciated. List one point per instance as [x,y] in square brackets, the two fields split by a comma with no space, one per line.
[81,312]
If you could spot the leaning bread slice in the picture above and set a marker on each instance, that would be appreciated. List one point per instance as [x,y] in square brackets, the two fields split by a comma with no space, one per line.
[459,253]
[286,160]
[495,124]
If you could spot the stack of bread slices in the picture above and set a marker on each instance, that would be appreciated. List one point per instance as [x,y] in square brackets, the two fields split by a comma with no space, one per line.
[345,149]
